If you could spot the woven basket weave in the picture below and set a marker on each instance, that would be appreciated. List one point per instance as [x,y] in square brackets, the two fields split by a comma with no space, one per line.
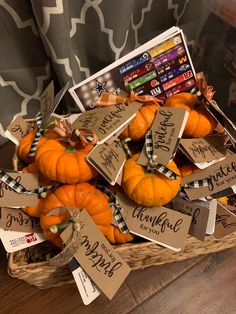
[137,255]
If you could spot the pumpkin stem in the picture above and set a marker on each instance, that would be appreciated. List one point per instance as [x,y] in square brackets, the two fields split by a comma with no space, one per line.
[70,149]
[49,124]
[195,106]
[43,194]
[55,228]
[151,164]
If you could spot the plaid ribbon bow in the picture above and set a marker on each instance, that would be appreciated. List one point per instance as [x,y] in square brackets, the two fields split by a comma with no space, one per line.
[117,213]
[152,164]
[19,188]
[64,129]
[37,136]
[108,99]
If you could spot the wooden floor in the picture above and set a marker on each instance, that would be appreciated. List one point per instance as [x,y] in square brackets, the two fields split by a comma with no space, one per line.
[206,284]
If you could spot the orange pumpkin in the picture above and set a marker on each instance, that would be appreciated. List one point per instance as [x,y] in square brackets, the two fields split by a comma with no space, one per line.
[33,211]
[63,163]
[79,196]
[141,123]
[149,189]
[114,235]
[223,200]
[200,122]
[33,168]
[24,145]
[187,168]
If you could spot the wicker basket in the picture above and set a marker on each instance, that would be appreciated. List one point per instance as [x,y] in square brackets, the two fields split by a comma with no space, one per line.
[137,255]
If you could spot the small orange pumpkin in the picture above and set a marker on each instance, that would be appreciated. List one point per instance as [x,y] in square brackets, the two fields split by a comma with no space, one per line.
[149,189]
[114,235]
[80,196]
[141,123]
[33,168]
[33,211]
[64,163]
[200,122]
[25,145]
[187,168]
[223,200]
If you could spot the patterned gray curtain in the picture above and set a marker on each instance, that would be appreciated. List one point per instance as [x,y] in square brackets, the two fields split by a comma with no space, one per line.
[68,40]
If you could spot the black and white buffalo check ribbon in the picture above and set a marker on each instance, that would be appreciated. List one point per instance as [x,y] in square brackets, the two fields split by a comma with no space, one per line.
[19,188]
[196,184]
[226,192]
[37,135]
[152,164]
[124,145]
[117,213]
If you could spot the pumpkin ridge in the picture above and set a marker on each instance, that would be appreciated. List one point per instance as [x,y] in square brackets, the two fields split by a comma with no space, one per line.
[134,175]
[154,182]
[135,192]
[136,186]
[57,166]
[140,168]
[148,108]
[169,182]
[84,197]
[75,200]
[74,156]
[70,191]
[169,187]
[131,183]
[80,161]
[142,115]
[196,124]
[40,166]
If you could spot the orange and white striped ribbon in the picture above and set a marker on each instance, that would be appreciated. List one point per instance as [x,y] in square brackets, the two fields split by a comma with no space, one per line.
[109,99]
[206,90]
[66,132]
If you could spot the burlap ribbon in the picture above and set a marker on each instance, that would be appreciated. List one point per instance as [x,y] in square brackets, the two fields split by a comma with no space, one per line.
[66,255]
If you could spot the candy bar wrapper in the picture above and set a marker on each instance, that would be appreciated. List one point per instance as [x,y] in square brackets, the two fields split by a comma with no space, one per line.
[161,67]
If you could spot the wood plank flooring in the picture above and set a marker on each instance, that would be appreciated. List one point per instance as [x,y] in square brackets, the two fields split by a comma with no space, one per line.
[205,285]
